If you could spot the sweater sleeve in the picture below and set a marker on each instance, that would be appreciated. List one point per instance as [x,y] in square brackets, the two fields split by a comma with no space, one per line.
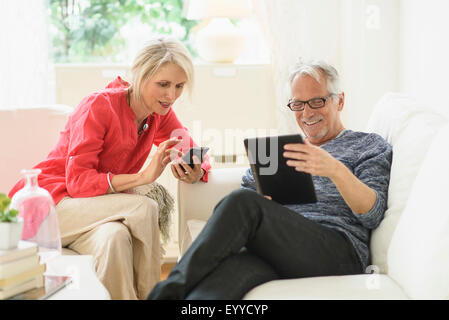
[87,131]
[169,127]
[248,181]
[373,169]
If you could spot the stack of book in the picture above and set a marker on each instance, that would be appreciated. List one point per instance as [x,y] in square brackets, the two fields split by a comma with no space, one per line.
[20,270]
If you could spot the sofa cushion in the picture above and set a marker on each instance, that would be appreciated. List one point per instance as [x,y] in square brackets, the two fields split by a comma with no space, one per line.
[418,255]
[409,127]
[353,287]
[192,231]
[197,201]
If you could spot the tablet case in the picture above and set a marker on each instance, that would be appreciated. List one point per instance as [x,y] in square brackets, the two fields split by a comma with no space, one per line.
[271,173]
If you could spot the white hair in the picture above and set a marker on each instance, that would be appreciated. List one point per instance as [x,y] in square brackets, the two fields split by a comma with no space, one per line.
[316,69]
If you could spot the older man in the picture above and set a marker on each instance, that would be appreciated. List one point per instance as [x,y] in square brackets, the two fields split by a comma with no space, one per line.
[250,239]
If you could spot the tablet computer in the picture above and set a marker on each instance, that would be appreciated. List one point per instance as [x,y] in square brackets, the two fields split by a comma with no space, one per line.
[271,173]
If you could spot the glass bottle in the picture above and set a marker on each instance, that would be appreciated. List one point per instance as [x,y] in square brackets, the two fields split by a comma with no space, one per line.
[37,208]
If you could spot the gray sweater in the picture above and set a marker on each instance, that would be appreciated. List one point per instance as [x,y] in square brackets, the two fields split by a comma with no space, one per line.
[369,157]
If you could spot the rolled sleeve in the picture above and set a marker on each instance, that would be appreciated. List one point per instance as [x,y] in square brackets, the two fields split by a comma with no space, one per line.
[248,181]
[206,167]
[372,218]
[373,169]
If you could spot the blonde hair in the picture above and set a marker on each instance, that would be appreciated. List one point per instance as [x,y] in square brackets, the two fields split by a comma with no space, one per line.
[156,53]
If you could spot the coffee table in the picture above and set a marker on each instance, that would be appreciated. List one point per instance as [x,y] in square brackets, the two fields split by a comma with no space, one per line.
[85,284]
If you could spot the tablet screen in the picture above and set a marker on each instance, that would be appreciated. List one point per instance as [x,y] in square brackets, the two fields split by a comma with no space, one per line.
[271,173]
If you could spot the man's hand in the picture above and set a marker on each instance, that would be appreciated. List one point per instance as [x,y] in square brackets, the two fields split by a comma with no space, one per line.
[317,161]
[311,159]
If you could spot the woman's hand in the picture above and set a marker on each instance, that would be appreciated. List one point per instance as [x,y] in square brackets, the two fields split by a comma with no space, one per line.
[311,159]
[182,171]
[161,158]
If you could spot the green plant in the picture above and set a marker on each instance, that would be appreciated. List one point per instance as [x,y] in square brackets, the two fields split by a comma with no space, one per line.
[89,31]
[7,215]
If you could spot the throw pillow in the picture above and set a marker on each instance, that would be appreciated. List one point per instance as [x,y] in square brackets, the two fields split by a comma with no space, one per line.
[409,127]
[418,256]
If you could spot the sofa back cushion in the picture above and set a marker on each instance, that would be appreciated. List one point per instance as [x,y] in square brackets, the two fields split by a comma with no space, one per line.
[409,127]
[419,252]
[29,134]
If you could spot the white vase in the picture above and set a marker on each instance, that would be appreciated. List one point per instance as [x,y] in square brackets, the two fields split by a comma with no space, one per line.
[10,233]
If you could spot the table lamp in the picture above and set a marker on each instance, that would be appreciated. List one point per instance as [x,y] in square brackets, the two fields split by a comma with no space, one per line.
[220,40]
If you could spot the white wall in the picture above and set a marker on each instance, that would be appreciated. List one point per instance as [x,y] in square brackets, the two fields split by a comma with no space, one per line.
[369,56]
[392,45]
[25,75]
[424,65]
[359,37]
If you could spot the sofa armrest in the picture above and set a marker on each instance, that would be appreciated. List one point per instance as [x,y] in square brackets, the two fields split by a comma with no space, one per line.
[197,201]
[29,134]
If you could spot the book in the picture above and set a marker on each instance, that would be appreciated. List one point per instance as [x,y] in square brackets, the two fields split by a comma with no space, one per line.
[52,284]
[24,249]
[15,267]
[34,282]
[5,283]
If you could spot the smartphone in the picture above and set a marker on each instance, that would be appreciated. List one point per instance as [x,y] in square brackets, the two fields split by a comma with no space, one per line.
[197,151]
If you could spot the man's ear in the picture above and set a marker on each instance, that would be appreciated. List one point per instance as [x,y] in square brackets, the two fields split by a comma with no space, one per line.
[341,101]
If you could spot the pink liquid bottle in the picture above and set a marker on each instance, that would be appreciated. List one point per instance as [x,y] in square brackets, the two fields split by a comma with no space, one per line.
[37,208]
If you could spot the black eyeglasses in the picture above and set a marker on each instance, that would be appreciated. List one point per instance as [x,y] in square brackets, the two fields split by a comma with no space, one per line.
[315,103]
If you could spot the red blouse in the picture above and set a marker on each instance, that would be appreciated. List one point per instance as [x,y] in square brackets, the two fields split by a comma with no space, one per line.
[100,137]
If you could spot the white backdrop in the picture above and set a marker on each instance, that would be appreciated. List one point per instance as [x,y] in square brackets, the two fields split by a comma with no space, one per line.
[25,72]
[359,37]
[294,29]
[424,60]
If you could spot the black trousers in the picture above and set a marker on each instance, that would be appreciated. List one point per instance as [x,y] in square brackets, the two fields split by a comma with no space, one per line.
[250,240]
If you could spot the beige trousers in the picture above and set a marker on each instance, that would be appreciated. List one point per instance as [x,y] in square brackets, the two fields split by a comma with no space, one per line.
[121,231]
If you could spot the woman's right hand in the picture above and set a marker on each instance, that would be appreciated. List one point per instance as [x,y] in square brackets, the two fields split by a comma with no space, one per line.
[161,158]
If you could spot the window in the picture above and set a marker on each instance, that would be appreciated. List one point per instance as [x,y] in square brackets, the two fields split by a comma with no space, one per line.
[112,31]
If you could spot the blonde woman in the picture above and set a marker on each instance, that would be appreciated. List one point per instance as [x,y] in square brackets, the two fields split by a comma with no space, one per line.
[97,160]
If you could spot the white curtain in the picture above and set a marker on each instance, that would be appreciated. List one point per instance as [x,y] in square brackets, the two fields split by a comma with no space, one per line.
[358,37]
[25,71]
[296,29]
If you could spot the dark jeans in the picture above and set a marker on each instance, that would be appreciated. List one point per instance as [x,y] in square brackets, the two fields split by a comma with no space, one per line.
[250,240]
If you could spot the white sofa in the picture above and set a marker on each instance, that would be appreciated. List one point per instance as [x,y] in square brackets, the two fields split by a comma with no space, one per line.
[410,248]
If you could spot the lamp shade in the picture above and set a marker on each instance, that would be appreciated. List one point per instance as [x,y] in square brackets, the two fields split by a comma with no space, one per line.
[201,9]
